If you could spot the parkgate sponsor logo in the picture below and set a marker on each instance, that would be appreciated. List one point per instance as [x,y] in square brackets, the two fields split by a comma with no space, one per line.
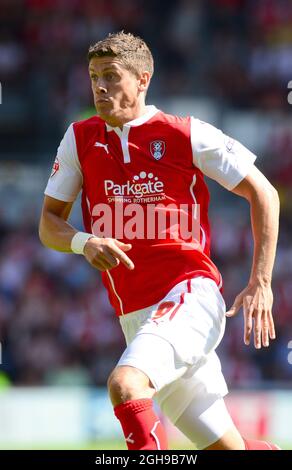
[144,187]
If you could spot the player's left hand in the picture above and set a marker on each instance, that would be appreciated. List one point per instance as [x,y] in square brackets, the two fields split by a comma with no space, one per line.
[257,301]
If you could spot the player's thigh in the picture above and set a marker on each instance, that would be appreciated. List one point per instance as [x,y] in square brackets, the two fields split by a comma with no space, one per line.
[194,403]
[155,357]
[192,321]
[165,343]
[210,428]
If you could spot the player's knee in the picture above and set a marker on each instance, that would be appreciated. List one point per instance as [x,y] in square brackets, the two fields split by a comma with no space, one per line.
[128,383]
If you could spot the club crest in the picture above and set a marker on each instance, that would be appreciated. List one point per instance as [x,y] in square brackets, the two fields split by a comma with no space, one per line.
[157,149]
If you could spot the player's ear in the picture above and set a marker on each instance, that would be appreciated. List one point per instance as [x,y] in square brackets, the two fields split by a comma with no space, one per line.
[143,81]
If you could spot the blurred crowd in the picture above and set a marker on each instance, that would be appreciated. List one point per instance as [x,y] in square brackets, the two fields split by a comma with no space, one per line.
[237,52]
[56,324]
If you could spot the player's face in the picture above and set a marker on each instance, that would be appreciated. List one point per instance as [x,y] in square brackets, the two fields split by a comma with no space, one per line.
[116,90]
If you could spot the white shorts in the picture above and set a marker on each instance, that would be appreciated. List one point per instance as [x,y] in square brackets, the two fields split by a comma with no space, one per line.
[173,342]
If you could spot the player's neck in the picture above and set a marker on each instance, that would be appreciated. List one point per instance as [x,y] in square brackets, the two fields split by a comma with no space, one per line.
[128,115]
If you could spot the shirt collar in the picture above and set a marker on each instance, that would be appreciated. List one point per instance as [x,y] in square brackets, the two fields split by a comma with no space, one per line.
[150,112]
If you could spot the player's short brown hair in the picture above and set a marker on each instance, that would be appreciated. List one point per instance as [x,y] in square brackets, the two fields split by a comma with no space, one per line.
[130,50]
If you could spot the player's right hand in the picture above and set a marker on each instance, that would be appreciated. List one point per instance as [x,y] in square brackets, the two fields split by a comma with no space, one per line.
[107,253]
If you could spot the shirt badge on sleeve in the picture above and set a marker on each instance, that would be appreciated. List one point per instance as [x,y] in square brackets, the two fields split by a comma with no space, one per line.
[56,167]
[229,143]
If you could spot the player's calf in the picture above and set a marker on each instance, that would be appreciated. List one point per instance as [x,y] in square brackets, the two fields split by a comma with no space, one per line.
[131,394]
[141,426]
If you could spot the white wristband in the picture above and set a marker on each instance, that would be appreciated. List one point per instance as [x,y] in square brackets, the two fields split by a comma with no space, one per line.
[78,242]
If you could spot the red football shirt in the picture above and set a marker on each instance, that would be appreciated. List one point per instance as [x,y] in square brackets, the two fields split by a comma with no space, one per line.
[155,164]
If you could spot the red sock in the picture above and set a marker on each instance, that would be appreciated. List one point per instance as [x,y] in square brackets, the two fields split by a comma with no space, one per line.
[259,445]
[142,428]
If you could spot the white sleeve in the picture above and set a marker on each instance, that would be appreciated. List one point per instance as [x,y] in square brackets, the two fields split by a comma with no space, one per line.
[66,178]
[218,156]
